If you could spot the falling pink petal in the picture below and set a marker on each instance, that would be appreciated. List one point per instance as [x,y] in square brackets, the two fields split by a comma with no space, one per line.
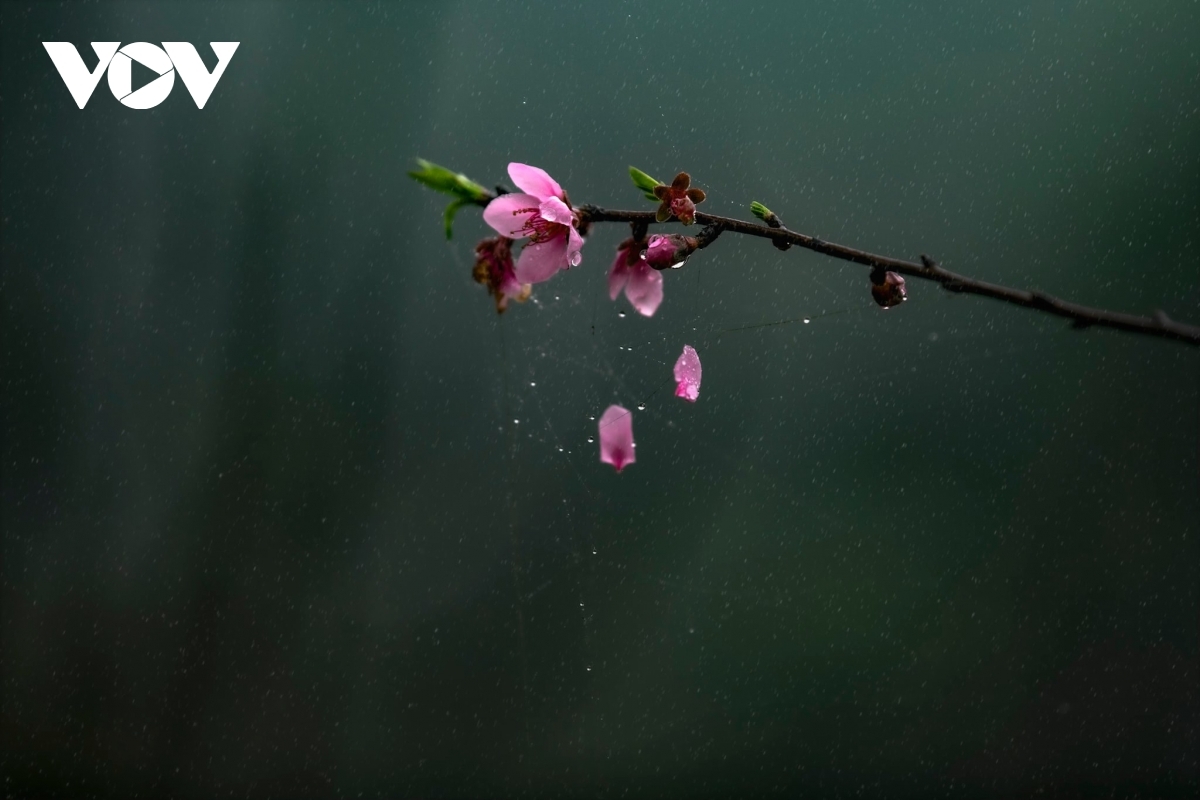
[687,375]
[616,437]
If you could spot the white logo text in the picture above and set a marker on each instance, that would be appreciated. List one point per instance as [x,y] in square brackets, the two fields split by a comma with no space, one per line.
[118,61]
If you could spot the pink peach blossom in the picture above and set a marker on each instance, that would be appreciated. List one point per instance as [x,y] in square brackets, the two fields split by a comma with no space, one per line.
[687,375]
[616,437]
[642,284]
[541,213]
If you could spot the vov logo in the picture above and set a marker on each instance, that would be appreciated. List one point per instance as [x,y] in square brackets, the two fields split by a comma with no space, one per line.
[164,61]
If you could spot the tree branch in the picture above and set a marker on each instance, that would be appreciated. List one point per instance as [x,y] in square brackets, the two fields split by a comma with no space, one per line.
[1082,316]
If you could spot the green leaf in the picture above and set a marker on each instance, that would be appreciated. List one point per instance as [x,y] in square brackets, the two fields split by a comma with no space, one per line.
[760,211]
[644,182]
[448,214]
[440,179]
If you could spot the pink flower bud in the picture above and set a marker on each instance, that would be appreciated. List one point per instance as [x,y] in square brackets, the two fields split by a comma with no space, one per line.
[888,289]
[669,251]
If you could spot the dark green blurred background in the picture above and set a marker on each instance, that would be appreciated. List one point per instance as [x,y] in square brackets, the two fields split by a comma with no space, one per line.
[288,510]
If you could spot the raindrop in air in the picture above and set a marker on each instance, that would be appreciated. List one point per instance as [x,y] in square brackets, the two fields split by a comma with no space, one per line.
[641,406]
[807,320]
[590,440]
[621,314]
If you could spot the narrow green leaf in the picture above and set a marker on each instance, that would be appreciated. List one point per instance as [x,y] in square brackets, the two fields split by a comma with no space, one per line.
[440,179]
[448,214]
[644,182]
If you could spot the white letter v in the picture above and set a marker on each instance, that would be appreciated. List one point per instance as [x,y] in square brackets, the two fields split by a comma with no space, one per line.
[196,77]
[75,75]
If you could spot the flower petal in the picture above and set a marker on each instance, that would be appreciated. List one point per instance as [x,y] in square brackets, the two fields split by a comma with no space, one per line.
[687,375]
[509,285]
[618,274]
[574,247]
[555,210]
[645,289]
[681,183]
[539,261]
[616,437]
[533,180]
[509,213]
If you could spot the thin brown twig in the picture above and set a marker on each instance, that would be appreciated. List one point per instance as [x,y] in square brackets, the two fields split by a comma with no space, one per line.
[1081,316]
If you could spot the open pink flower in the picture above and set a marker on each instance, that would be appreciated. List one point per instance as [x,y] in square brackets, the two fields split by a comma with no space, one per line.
[687,375]
[542,214]
[616,437]
[643,285]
